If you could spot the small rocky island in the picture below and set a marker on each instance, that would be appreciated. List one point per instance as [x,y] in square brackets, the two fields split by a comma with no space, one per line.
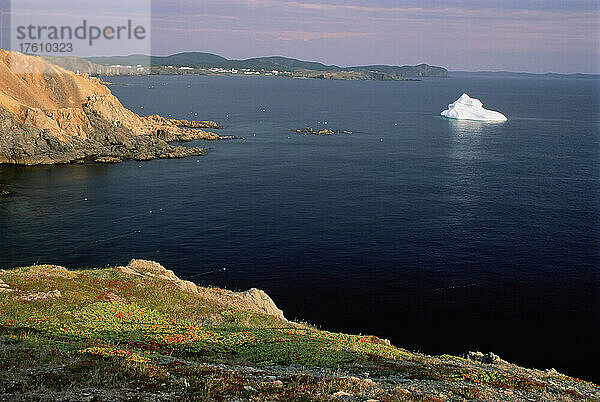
[311,131]
[49,115]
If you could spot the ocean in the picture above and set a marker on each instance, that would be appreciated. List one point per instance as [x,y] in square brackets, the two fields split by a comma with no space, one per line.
[442,236]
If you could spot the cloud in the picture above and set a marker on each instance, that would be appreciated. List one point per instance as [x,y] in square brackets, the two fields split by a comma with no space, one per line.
[271,35]
[425,29]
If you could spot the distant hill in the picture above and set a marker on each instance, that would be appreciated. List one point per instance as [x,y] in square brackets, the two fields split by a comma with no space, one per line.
[421,70]
[78,65]
[132,60]
[195,59]
[509,74]
[279,63]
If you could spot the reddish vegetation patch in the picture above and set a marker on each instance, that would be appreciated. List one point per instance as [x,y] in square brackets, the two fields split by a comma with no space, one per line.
[110,297]
[502,380]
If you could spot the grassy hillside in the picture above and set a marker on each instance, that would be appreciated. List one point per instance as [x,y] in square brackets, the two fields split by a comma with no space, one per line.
[139,332]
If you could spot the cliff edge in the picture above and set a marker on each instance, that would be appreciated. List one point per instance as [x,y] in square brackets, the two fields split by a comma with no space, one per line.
[50,115]
[138,332]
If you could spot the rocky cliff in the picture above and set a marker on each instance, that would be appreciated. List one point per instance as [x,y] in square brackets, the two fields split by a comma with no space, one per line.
[254,299]
[49,115]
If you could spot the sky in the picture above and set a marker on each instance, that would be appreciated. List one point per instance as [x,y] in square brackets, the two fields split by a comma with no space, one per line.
[512,35]
[526,35]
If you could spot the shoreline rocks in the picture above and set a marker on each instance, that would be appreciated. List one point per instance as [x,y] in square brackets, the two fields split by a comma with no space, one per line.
[53,116]
[195,124]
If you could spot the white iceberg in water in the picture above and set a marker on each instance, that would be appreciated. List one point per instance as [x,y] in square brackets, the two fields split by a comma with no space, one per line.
[467,108]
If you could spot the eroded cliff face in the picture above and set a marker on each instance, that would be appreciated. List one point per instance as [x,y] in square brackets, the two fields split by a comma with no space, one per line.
[50,115]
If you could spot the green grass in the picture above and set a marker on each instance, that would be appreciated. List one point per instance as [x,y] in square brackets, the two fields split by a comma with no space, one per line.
[108,329]
[156,316]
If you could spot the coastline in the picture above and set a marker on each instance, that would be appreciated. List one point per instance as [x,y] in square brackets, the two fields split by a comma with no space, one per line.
[98,159]
[53,116]
[171,338]
[210,64]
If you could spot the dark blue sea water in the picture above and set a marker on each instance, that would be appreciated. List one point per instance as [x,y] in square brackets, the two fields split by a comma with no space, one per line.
[443,236]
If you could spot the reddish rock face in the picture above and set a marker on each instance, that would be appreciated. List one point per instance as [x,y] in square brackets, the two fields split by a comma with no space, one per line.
[51,115]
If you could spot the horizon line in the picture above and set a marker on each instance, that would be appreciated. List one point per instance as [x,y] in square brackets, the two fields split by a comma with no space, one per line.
[360,65]
[490,71]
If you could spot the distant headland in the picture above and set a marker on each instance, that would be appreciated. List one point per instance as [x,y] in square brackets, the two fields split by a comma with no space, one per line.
[211,64]
[511,74]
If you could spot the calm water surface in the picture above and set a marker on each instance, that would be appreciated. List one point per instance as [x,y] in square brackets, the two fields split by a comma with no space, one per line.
[443,236]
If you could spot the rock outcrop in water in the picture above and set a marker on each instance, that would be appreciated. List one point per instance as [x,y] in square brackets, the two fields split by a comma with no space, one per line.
[311,131]
[49,115]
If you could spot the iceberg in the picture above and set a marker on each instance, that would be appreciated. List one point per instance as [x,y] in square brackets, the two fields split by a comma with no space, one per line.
[467,108]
